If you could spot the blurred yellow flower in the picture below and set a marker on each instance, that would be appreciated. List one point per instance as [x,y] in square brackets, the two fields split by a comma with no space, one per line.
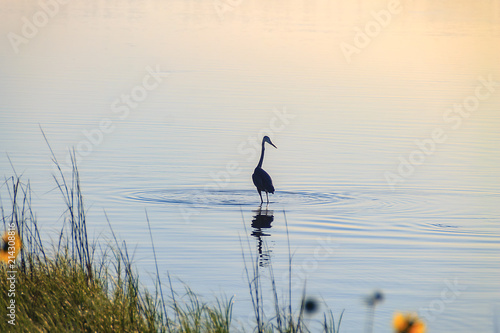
[11,246]
[407,323]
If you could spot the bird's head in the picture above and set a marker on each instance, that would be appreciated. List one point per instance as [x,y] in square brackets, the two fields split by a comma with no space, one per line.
[266,139]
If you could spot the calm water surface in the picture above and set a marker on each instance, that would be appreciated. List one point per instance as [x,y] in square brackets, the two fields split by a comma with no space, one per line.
[384,186]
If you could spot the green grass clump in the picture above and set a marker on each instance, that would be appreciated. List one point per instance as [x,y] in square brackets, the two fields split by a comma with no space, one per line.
[72,291]
[56,295]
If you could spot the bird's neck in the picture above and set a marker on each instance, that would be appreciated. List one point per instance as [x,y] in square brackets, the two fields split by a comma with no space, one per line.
[261,156]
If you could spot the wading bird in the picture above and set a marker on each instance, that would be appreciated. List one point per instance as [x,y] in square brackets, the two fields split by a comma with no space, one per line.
[260,178]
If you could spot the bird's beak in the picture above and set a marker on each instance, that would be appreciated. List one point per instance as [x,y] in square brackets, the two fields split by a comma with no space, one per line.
[272,144]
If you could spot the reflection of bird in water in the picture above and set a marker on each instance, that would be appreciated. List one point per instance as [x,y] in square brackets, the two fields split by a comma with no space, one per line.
[262,220]
[260,178]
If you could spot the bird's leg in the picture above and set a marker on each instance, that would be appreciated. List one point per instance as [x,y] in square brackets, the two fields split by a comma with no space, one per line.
[267,196]
[261,201]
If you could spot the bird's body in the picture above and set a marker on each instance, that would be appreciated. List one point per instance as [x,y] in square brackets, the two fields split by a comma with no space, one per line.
[261,179]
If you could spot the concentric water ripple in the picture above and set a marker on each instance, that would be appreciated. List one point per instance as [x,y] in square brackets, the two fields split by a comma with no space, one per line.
[211,198]
[361,202]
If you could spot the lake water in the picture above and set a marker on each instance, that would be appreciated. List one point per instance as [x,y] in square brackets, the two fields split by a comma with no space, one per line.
[385,115]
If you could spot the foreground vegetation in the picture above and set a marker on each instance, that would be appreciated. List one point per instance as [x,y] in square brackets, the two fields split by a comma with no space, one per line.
[82,286]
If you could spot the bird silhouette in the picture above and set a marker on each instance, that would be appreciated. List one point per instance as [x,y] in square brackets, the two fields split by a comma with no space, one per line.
[260,178]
